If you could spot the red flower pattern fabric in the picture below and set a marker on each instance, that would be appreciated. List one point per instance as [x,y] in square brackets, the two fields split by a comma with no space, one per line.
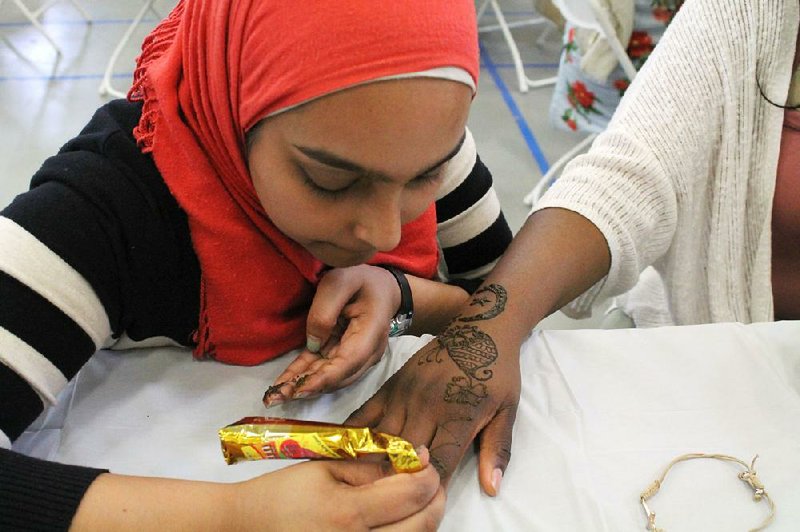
[583,104]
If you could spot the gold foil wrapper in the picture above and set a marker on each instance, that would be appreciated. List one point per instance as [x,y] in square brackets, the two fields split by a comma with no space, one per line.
[265,438]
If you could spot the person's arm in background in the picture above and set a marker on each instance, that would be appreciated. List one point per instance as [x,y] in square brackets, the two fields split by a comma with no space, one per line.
[472,234]
[613,212]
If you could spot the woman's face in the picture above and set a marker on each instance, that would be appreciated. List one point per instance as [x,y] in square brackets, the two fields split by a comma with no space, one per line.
[339,175]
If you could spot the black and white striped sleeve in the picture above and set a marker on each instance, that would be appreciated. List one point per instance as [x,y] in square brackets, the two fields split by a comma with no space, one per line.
[51,321]
[472,231]
[97,249]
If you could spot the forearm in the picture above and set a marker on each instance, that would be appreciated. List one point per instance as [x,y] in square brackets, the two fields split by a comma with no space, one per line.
[435,304]
[119,502]
[556,256]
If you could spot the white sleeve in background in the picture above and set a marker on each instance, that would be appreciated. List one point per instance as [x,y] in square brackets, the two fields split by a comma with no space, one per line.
[684,176]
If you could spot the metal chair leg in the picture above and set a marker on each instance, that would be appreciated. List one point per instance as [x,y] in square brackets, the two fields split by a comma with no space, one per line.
[47,5]
[106,88]
[35,22]
[504,26]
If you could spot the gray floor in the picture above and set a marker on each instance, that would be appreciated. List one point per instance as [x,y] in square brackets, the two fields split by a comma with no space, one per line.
[45,100]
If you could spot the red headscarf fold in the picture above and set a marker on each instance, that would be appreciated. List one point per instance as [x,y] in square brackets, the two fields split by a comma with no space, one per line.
[214,68]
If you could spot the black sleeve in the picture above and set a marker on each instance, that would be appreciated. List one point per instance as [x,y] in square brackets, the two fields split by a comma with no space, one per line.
[97,212]
[39,495]
[101,209]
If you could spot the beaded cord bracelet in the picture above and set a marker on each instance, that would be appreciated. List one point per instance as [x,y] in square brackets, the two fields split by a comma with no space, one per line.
[748,475]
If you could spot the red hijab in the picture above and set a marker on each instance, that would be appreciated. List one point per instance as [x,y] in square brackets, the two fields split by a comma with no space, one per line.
[210,72]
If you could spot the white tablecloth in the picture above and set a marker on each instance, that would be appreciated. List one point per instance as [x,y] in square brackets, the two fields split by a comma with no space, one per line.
[601,413]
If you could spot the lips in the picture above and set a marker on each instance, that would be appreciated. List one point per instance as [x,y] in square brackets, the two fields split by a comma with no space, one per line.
[340,256]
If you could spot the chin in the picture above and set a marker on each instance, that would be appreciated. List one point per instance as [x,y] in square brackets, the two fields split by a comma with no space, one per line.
[347,261]
[339,258]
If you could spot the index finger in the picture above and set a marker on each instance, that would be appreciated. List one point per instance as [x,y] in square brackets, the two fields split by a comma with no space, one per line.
[362,344]
[427,519]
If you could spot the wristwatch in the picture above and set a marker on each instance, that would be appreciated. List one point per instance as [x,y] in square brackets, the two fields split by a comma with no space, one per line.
[402,320]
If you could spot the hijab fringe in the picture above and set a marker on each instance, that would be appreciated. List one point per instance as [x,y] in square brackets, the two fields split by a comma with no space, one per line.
[153,48]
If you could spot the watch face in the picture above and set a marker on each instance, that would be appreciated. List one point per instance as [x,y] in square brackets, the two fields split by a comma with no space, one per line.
[399,324]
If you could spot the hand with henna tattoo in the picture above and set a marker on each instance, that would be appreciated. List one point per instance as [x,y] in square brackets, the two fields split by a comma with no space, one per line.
[466,382]
[463,383]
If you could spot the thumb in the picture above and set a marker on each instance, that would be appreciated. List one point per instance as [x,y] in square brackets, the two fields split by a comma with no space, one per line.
[333,294]
[495,450]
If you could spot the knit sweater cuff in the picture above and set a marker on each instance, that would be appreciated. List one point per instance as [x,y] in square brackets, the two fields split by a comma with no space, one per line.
[40,495]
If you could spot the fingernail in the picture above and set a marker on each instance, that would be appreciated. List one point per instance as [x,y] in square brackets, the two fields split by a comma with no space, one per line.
[422,453]
[275,402]
[497,476]
[313,343]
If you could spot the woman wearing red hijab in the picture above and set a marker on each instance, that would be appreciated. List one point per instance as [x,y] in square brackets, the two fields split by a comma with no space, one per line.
[283,174]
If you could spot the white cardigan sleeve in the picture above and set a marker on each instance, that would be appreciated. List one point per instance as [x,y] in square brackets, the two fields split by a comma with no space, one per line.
[653,168]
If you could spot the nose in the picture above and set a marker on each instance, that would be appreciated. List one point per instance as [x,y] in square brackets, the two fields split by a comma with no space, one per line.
[379,223]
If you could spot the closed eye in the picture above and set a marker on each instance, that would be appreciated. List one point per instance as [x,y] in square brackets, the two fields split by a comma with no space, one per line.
[323,192]
[427,178]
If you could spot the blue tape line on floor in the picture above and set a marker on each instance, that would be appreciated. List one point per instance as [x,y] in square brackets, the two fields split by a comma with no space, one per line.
[525,65]
[108,21]
[519,118]
[64,77]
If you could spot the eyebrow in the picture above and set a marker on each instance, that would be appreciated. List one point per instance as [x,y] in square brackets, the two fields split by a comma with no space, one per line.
[334,161]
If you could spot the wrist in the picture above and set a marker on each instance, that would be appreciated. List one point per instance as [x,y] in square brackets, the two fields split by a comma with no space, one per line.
[403,318]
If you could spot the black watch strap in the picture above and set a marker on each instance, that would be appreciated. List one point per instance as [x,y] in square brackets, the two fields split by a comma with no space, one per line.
[402,320]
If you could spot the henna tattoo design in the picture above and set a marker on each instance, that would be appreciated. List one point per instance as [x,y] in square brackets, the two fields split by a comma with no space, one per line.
[431,353]
[461,390]
[438,464]
[493,294]
[471,349]
[453,441]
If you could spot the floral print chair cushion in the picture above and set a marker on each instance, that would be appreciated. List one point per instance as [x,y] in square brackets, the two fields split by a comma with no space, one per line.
[583,104]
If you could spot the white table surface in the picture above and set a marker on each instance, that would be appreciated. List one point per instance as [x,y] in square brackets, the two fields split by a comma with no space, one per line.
[601,413]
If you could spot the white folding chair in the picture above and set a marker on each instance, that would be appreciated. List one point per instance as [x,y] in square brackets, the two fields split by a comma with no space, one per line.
[34,15]
[589,14]
[106,88]
[47,5]
[33,18]
[505,27]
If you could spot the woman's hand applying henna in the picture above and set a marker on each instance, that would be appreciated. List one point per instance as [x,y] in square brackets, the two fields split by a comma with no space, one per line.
[348,332]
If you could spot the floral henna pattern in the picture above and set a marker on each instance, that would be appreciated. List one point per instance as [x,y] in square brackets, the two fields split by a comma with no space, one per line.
[438,465]
[461,390]
[431,353]
[472,350]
